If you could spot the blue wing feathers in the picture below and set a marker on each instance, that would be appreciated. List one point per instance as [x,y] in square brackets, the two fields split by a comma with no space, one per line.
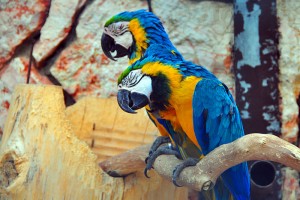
[223,125]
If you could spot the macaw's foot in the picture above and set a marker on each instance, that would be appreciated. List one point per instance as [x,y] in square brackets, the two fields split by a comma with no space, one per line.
[178,169]
[164,150]
[158,141]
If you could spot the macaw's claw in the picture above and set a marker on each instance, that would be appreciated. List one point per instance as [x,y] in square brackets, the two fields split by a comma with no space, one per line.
[146,172]
[178,169]
[159,141]
[164,150]
[146,160]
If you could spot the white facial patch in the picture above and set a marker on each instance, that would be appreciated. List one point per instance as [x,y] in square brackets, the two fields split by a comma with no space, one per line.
[137,82]
[120,32]
[125,40]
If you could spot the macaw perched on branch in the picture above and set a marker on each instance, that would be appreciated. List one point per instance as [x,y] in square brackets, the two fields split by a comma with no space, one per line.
[185,101]
[130,34]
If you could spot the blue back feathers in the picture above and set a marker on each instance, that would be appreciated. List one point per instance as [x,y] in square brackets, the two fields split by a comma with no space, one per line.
[168,56]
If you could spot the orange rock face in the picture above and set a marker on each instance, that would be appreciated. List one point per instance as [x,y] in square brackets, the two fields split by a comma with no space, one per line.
[18,21]
[12,74]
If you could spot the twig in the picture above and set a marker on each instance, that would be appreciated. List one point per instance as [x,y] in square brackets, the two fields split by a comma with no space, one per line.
[250,147]
[31,58]
[149,6]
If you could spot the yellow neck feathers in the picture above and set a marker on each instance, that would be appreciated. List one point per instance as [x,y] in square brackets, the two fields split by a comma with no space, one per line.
[182,89]
[139,35]
[172,74]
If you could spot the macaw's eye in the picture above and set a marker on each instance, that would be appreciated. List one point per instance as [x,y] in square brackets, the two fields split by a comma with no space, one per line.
[119,27]
[132,79]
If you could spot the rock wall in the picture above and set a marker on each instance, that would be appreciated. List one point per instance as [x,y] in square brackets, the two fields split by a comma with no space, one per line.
[68,50]
[289,63]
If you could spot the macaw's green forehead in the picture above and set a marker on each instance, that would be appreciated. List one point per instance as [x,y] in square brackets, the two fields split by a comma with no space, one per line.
[125,16]
[128,70]
[143,16]
[116,18]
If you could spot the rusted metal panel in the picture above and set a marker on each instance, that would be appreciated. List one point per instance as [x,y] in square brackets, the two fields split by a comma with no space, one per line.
[256,65]
[256,71]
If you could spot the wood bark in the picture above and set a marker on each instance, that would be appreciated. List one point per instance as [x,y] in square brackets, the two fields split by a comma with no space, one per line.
[41,158]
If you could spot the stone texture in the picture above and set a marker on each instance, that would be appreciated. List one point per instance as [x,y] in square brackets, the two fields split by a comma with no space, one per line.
[83,69]
[18,20]
[289,63]
[57,27]
[14,73]
[290,185]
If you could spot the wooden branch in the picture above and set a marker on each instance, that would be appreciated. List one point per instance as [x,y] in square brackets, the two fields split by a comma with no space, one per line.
[250,147]
[126,163]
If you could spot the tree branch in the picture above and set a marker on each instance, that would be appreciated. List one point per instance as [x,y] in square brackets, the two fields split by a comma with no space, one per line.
[250,147]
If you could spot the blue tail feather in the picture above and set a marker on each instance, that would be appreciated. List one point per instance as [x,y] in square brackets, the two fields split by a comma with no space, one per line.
[237,180]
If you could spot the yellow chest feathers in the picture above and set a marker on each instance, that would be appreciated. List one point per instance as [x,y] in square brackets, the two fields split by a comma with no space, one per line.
[180,111]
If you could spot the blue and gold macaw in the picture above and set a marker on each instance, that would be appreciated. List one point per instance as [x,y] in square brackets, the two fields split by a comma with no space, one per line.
[185,101]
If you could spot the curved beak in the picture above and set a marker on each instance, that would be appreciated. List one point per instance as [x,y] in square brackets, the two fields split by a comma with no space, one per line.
[109,45]
[129,102]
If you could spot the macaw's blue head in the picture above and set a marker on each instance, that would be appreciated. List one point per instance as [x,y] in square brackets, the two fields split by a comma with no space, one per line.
[131,33]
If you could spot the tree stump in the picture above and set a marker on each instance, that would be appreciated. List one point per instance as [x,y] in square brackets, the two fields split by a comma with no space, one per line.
[41,158]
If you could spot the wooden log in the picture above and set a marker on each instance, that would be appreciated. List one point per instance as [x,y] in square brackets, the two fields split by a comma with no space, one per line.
[44,158]
[41,158]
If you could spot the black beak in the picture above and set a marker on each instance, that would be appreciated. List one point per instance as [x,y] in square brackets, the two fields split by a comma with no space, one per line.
[109,45]
[129,102]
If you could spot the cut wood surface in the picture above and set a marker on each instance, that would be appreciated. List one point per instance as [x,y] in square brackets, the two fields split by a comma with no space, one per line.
[107,129]
[41,158]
